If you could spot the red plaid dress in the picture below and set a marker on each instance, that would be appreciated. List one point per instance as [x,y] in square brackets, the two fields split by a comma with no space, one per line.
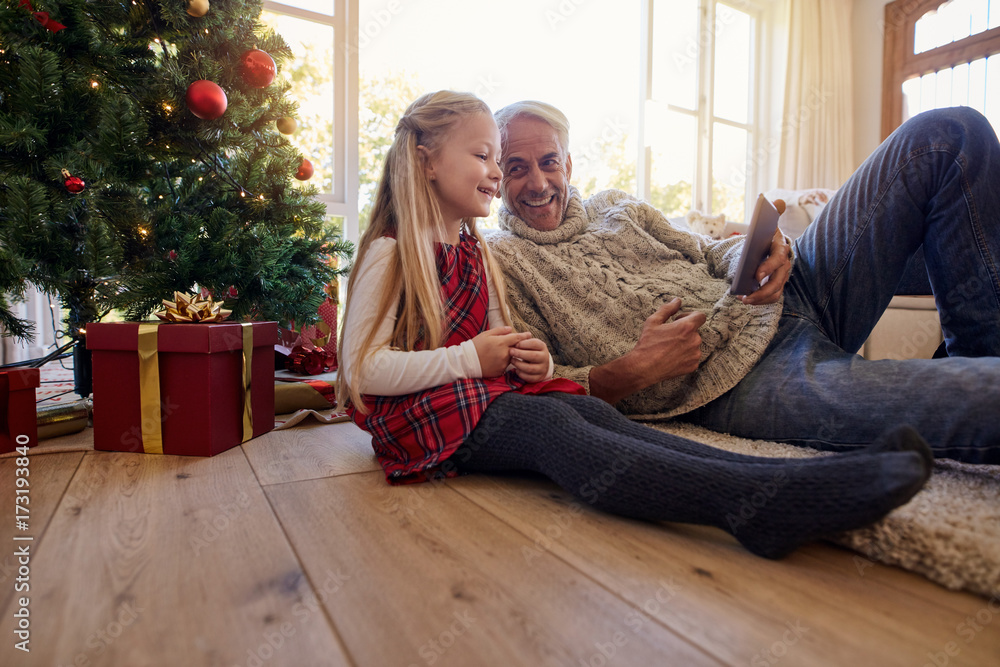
[413,435]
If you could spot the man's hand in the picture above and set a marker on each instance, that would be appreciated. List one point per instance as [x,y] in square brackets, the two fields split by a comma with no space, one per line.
[494,348]
[531,360]
[669,349]
[666,349]
[775,268]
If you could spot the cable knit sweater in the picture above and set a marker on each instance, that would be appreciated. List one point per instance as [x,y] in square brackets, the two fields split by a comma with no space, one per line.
[587,287]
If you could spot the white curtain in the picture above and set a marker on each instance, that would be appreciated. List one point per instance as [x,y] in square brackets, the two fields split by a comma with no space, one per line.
[817,135]
[37,308]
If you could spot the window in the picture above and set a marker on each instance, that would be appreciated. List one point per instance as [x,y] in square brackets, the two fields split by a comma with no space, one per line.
[672,82]
[323,37]
[579,55]
[701,105]
[940,54]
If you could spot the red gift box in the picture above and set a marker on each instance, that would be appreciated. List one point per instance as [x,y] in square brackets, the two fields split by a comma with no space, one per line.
[18,424]
[197,406]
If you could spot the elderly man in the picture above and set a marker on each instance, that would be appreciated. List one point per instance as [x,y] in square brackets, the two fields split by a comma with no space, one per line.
[639,312]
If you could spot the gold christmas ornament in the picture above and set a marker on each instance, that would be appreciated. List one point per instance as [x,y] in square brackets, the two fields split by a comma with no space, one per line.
[286,125]
[197,8]
[192,308]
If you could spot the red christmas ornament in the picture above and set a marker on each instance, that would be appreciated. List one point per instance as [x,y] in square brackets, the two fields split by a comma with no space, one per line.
[258,68]
[305,171]
[206,99]
[43,17]
[73,184]
[172,255]
[233,292]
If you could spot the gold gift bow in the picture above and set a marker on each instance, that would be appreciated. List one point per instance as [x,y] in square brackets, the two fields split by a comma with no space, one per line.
[192,308]
[149,386]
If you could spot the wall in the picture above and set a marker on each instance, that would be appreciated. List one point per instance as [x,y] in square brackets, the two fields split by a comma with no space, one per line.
[867,23]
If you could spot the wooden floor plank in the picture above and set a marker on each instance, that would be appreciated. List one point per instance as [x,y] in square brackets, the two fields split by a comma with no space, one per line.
[740,607]
[165,560]
[143,560]
[48,477]
[81,441]
[310,451]
[869,577]
[430,578]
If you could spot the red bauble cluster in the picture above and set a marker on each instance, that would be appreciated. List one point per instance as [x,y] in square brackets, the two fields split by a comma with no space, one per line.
[258,68]
[206,99]
[305,171]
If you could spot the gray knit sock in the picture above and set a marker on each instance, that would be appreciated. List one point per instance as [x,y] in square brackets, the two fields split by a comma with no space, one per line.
[770,505]
[599,413]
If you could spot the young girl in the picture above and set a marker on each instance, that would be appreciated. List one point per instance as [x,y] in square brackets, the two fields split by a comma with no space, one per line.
[432,368]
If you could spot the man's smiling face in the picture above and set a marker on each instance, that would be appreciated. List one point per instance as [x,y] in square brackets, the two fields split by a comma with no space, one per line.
[536,173]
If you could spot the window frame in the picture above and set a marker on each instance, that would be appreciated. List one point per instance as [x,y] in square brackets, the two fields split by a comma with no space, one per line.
[701,187]
[343,201]
[900,64]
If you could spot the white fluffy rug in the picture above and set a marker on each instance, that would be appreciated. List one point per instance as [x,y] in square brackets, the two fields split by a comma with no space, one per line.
[949,532]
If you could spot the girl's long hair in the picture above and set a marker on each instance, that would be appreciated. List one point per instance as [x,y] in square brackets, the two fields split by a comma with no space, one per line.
[406,207]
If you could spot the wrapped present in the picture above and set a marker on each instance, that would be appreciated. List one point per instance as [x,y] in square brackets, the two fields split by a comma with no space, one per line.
[62,419]
[303,395]
[311,361]
[297,353]
[189,389]
[313,349]
[17,408]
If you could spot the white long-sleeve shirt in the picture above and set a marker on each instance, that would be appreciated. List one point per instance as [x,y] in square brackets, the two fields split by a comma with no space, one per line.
[390,372]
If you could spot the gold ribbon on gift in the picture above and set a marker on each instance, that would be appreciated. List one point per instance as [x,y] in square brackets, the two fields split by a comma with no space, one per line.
[149,389]
[247,374]
[149,386]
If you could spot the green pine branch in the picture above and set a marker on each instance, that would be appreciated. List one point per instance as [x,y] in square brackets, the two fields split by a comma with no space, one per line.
[171,201]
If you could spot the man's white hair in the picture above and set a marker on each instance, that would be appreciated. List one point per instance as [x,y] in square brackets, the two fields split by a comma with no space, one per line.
[533,109]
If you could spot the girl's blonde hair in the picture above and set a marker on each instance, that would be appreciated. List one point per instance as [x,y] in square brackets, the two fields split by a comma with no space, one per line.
[406,207]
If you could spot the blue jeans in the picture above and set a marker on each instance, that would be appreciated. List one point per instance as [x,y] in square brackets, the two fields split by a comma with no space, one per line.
[934,183]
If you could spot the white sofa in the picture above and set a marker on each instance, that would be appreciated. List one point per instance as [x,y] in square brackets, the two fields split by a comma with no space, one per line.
[910,327]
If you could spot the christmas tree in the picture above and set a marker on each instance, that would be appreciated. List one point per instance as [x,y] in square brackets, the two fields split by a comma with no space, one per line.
[140,155]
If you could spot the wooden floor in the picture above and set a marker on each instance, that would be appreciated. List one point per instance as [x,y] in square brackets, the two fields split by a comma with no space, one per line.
[292,550]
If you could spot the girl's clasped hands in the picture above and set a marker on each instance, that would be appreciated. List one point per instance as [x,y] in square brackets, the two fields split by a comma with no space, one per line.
[502,348]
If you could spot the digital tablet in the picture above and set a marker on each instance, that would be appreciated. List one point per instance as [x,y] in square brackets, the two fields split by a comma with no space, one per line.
[763,224]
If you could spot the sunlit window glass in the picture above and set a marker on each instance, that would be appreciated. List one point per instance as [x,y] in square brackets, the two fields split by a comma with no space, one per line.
[311,76]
